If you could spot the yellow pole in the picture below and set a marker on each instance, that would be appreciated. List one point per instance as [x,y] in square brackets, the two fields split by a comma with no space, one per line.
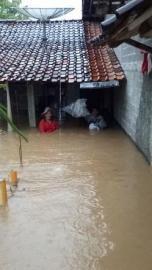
[13,178]
[3,193]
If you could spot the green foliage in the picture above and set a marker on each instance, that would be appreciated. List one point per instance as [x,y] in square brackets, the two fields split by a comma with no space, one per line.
[2,86]
[3,115]
[7,9]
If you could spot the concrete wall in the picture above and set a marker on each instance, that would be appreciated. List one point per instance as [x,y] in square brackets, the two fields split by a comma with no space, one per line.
[133,101]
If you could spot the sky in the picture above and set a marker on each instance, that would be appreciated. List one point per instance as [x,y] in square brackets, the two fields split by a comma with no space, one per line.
[76,14]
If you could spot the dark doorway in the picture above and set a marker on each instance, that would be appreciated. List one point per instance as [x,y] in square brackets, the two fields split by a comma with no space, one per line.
[102,100]
[18,94]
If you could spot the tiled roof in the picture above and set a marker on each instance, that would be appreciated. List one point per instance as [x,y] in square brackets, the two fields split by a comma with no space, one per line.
[66,55]
[104,63]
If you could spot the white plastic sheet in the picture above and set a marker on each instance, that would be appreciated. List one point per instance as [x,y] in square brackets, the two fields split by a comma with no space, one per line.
[77,109]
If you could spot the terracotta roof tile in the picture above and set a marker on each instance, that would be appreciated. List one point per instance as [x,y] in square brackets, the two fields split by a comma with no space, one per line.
[104,63]
[66,56]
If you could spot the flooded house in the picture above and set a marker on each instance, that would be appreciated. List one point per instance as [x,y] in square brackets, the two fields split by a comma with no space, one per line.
[38,71]
[76,59]
[81,200]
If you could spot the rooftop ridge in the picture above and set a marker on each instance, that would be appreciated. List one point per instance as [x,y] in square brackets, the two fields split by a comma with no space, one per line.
[67,57]
[36,21]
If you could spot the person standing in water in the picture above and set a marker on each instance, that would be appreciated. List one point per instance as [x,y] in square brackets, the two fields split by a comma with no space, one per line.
[48,124]
[95,120]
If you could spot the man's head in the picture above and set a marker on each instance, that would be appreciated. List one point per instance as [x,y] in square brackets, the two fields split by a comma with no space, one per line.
[47,114]
[94,112]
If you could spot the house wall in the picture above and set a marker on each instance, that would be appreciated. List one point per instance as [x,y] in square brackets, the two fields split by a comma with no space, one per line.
[133,101]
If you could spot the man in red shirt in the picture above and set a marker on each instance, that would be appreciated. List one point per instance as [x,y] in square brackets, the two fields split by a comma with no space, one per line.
[47,123]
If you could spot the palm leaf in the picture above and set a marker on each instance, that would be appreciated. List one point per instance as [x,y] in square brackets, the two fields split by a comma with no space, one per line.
[3,114]
[3,107]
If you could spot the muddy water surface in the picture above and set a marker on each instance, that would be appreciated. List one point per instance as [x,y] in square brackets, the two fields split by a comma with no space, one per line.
[84,202]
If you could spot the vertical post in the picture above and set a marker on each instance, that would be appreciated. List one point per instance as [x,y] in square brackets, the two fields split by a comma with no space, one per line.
[44,30]
[13,178]
[111,105]
[60,86]
[60,103]
[9,110]
[3,193]
[31,105]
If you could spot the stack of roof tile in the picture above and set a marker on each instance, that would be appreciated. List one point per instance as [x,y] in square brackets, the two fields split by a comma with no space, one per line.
[103,61]
[65,56]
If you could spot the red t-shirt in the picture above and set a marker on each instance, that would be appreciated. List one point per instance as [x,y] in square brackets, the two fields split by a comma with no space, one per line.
[48,126]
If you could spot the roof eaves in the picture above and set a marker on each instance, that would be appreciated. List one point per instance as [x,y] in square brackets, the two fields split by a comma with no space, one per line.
[125,23]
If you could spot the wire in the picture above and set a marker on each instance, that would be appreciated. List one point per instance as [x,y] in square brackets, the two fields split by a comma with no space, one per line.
[60,84]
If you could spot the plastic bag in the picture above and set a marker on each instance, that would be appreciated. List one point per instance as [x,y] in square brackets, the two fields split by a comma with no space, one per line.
[77,109]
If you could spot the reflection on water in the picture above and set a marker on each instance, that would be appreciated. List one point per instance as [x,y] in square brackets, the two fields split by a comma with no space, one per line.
[83,203]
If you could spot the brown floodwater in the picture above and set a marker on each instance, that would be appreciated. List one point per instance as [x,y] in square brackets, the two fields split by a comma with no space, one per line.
[84,202]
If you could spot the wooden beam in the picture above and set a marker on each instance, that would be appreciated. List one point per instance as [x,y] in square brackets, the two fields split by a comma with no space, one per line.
[139,45]
[142,18]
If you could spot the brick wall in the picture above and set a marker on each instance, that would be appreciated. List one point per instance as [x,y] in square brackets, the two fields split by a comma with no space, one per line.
[133,101]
